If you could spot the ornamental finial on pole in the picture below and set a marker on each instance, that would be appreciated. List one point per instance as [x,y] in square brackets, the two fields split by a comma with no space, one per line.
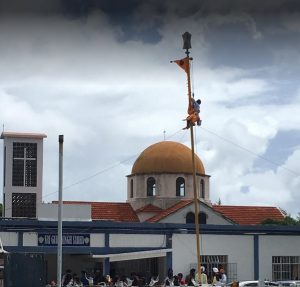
[187,42]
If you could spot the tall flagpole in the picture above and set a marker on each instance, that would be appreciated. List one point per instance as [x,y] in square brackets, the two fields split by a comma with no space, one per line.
[60,207]
[187,45]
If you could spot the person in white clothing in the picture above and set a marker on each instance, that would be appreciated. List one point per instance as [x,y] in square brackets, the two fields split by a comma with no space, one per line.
[203,276]
[223,277]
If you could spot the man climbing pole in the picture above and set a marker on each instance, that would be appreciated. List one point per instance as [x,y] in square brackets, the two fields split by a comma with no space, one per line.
[193,111]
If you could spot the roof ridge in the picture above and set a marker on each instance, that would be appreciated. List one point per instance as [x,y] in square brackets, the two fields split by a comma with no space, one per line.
[170,210]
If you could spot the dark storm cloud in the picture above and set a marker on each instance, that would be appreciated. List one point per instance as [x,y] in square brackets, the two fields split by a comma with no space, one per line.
[142,20]
[120,7]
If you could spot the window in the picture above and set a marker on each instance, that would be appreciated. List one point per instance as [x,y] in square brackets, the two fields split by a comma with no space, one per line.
[190,217]
[202,217]
[131,188]
[24,164]
[151,186]
[202,189]
[24,205]
[285,268]
[180,186]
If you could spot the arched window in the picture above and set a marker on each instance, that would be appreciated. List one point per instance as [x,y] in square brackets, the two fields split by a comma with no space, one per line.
[151,186]
[202,217]
[131,188]
[180,186]
[202,189]
[190,218]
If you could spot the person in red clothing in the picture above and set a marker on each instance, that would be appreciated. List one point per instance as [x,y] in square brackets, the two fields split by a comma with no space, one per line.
[180,279]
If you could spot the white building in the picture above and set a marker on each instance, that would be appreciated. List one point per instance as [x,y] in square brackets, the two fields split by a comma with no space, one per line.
[154,230]
[23,173]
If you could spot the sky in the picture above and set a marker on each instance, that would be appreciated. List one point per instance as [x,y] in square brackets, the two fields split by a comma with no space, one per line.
[99,73]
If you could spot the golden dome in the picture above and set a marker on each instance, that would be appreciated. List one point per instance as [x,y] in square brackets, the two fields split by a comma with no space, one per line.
[167,157]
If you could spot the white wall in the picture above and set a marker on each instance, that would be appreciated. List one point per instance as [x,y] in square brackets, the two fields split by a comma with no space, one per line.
[97,240]
[239,248]
[275,246]
[9,238]
[137,240]
[71,212]
[30,239]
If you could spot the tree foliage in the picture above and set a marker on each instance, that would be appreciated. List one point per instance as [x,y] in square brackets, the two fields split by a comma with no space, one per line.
[288,221]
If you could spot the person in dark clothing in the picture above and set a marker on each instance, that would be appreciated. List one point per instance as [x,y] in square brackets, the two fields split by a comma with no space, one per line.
[67,278]
[169,279]
[190,279]
[84,280]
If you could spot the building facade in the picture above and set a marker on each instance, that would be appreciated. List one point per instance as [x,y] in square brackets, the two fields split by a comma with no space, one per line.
[153,230]
[23,173]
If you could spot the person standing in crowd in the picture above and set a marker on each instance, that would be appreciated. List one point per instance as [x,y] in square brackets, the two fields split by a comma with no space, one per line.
[190,279]
[154,280]
[67,278]
[203,276]
[180,279]
[176,281]
[98,277]
[215,276]
[223,277]
[84,280]
[169,281]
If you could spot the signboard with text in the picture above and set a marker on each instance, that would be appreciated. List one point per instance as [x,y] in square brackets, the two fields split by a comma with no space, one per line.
[71,239]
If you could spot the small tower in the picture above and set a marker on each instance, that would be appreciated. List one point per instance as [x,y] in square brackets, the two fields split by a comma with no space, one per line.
[23,173]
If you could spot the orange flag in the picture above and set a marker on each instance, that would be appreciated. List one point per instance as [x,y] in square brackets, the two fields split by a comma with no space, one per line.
[183,63]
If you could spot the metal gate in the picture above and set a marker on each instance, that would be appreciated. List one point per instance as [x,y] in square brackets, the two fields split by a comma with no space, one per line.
[210,261]
[24,269]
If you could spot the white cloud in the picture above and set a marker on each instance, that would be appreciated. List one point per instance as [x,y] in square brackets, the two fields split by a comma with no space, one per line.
[111,100]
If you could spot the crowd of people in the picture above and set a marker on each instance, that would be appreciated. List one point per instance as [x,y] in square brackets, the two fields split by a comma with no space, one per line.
[216,278]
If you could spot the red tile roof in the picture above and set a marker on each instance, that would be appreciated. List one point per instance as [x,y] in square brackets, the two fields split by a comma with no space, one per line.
[169,210]
[123,212]
[149,208]
[249,215]
[115,211]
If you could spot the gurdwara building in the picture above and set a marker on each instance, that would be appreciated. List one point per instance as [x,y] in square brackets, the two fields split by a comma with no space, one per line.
[152,231]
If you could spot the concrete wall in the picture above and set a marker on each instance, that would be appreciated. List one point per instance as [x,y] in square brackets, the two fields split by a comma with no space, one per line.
[71,212]
[275,246]
[240,250]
